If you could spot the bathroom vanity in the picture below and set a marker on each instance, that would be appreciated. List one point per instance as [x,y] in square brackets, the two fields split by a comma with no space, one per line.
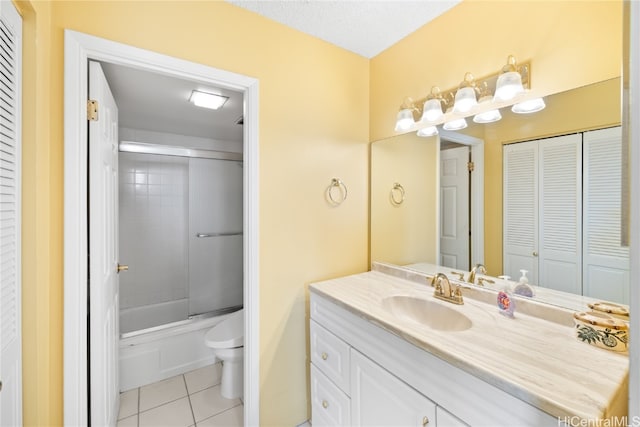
[384,351]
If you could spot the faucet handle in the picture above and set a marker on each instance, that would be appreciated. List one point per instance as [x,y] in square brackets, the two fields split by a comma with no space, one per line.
[483,280]
[438,287]
[459,274]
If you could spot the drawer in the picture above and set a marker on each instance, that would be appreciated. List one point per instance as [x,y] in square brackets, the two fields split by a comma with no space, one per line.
[330,406]
[330,354]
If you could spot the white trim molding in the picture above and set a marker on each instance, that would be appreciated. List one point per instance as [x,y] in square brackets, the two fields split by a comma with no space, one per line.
[79,48]
[634,164]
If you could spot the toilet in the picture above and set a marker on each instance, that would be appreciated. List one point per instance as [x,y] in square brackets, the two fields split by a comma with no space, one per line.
[227,341]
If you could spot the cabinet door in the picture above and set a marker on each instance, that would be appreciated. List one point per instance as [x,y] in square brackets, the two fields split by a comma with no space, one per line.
[380,399]
[447,419]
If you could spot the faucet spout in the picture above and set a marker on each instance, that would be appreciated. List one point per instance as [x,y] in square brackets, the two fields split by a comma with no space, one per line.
[445,291]
[478,268]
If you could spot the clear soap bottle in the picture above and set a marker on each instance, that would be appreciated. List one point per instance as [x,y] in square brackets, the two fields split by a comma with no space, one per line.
[523,288]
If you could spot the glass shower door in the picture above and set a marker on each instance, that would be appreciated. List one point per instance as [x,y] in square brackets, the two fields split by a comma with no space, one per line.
[215,235]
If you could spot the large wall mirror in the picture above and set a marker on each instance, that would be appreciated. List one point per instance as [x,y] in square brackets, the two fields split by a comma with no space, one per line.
[411,205]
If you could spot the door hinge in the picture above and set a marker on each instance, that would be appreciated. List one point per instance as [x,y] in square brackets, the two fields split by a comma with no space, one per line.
[92,110]
[471,166]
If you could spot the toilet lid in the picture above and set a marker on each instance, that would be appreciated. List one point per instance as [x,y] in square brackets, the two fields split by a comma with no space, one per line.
[227,334]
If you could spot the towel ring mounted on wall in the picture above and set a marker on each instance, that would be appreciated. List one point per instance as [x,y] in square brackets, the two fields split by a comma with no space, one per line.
[396,195]
[340,195]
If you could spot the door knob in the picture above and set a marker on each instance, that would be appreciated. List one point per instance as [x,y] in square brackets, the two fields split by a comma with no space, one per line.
[425,421]
[122,268]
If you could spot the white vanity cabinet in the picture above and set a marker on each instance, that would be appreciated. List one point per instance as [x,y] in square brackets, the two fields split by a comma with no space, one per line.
[378,398]
[364,375]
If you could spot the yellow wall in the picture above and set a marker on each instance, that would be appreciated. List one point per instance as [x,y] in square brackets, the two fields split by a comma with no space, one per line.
[314,101]
[569,43]
[404,234]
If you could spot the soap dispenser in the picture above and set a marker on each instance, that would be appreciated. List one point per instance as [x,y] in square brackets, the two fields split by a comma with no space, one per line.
[523,288]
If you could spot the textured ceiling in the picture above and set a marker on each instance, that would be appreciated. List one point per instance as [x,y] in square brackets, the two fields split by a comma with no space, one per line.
[366,27]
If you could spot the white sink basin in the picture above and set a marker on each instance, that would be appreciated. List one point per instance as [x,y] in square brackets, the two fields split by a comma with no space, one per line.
[425,312]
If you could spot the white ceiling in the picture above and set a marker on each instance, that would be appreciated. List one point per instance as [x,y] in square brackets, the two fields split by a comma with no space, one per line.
[159,103]
[366,27]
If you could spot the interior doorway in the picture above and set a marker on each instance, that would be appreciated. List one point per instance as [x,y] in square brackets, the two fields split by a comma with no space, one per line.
[79,50]
[461,201]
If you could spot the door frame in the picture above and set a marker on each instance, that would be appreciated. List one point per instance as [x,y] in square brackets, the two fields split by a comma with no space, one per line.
[477,194]
[79,48]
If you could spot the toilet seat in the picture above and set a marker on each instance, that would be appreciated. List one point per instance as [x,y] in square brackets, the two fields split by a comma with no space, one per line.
[227,334]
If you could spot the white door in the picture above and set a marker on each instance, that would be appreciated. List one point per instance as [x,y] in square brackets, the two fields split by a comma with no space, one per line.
[560,215]
[605,260]
[380,399]
[454,202]
[10,211]
[520,210]
[103,252]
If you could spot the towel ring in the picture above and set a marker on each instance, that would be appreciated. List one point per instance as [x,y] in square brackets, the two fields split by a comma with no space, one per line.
[397,194]
[341,195]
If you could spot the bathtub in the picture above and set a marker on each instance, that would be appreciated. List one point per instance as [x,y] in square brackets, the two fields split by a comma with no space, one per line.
[159,352]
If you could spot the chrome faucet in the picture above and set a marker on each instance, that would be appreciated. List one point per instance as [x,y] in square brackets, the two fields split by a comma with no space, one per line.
[478,268]
[444,290]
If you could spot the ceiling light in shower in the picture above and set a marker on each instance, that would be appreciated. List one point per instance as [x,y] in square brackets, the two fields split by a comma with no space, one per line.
[207,100]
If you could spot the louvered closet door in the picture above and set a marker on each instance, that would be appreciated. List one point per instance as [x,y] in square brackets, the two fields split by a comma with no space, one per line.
[520,209]
[560,203]
[10,211]
[605,261]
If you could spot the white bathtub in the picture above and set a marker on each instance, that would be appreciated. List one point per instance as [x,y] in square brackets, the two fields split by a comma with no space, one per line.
[160,352]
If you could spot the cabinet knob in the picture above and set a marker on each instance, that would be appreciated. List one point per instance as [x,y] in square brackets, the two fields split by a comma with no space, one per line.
[325,356]
[534,253]
[425,421]
[325,404]
[122,268]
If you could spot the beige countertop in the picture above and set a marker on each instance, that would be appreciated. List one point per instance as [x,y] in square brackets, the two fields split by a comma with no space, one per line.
[536,360]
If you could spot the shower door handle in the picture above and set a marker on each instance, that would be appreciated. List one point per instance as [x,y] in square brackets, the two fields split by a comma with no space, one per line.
[233,233]
[122,268]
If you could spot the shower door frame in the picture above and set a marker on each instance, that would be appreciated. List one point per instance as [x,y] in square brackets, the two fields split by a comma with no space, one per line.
[79,49]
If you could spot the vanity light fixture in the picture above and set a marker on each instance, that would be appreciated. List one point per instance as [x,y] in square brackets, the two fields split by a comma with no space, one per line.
[207,100]
[428,131]
[404,119]
[509,83]
[456,124]
[432,109]
[488,116]
[466,95]
[529,106]
[480,98]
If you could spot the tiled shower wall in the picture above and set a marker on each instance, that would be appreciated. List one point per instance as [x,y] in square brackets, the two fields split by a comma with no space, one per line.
[154,229]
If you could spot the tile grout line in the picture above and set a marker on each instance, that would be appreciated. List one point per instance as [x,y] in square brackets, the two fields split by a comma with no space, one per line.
[222,412]
[193,416]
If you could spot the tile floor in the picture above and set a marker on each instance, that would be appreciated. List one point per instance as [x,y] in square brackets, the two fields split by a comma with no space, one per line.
[192,399]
